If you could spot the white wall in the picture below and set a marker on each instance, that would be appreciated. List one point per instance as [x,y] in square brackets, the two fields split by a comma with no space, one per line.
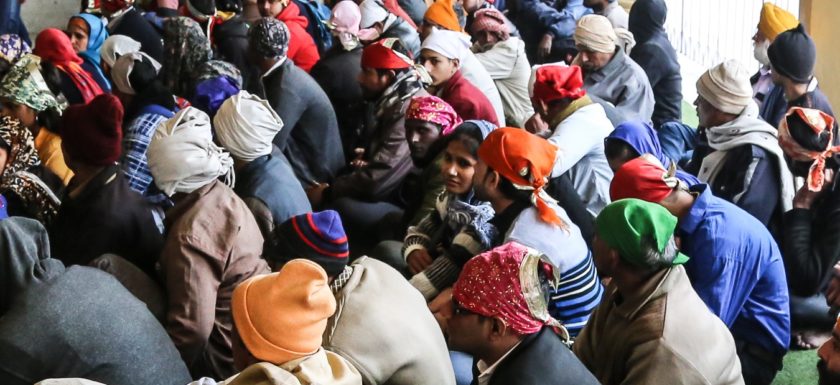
[40,14]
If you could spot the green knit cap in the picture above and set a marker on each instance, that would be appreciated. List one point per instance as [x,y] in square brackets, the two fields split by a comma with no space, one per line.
[628,225]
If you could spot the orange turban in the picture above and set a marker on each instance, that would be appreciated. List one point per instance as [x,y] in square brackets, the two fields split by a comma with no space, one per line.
[442,13]
[282,316]
[775,20]
[524,159]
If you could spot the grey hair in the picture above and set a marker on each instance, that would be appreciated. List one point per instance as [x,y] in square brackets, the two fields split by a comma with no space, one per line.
[655,259]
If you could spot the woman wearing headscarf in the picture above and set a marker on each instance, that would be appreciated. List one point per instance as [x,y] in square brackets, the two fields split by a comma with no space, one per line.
[633,139]
[29,96]
[810,242]
[213,242]
[186,49]
[12,48]
[77,84]
[26,193]
[246,125]
[114,47]
[87,34]
[148,103]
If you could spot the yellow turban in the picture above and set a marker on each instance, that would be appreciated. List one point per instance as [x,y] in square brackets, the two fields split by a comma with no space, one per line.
[775,20]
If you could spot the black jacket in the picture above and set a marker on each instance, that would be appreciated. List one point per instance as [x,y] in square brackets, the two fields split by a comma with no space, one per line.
[133,25]
[230,40]
[309,138]
[540,359]
[106,217]
[655,54]
[811,243]
[337,72]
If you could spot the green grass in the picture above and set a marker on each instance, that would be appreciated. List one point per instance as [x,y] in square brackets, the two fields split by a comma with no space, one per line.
[689,114]
[800,368]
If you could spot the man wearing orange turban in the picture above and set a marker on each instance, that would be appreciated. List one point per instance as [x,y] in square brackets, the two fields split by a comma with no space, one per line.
[772,21]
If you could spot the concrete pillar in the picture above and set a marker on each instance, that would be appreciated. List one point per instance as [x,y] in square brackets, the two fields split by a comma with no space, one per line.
[820,18]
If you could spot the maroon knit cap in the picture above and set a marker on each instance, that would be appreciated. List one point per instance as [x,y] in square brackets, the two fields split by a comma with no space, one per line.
[92,133]
[490,19]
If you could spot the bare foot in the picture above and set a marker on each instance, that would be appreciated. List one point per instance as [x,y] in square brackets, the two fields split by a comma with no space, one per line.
[809,339]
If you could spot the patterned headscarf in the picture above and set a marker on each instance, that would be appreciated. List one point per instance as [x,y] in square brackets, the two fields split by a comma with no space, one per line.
[504,282]
[818,121]
[218,68]
[12,48]
[269,37]
[25,85]
[185,50]
[38,199]
[491,20]
[434,110]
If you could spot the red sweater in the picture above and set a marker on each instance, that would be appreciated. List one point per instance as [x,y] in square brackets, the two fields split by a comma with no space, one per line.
[302,49]
[467,100]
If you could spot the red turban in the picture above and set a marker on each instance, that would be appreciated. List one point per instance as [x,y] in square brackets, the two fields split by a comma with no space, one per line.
[381,55]
[643,178]
[524,159]
[555,82]
[92,133]
[490,285]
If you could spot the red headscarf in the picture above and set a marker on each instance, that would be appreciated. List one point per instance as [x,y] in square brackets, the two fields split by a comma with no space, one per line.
[524,159]
[490,285]
[115,5]
[555,82]
[492,20]
[380,55]
[643,178]
[434,110]
[818,121]
[394,7]
[54,46]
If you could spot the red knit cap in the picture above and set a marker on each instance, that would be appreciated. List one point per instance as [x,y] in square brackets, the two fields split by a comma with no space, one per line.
[524,159]
[557,82]
[92,133]
[642,178]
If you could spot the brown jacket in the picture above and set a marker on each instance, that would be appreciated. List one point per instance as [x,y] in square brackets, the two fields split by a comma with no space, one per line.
[212,244]
[664,334]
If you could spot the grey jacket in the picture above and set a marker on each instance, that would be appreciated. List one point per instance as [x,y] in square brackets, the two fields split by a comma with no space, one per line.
[624,84]
[74,322]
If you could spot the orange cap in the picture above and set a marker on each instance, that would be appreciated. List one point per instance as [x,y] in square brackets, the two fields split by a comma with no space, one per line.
[282,316]
[442,13]
[775,20]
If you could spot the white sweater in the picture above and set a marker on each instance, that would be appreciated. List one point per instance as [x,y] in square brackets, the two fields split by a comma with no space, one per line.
[508,66]
[472,69]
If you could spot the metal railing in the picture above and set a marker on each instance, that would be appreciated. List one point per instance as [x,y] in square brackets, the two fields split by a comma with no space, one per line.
[711,31]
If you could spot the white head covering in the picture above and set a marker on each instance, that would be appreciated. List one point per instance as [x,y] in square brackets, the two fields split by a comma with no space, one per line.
[117,45]
[596,33]
[625,39]
[373,11]
[121,71]
[246,125]
[182,156]
[726,86]
[453,45]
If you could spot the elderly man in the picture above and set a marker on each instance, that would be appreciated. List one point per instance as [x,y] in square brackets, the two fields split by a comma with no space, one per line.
[793,56]
[561,101]
[446,55]
[500,317]
[738,154]
[772,21]
[511,174]
[658,328]
[372,335]
[245,125]
[608,73]
[311,141]
[735,267]
[503,56]
[213,242]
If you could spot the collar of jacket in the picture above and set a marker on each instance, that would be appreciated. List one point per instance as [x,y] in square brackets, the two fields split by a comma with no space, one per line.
[576,104]
[691,221]
[609,71]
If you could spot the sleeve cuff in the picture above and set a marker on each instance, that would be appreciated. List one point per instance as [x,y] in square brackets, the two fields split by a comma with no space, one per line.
[424,286]
[410,248]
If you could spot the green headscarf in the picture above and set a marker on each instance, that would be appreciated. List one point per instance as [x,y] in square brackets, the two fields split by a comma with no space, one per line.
[25,85]
[629,226]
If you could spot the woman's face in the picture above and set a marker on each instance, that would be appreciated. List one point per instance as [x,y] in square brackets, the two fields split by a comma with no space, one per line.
[458,168]
[27,116]
[78,31]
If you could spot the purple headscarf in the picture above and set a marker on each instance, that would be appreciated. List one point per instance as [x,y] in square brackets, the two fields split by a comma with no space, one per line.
[643,138]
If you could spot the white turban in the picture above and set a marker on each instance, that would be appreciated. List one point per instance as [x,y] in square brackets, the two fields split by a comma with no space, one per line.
[374,11]
[182,155]
[121,71]
[596,33]
[453,45]
[116,46]
[246,125]
[727,87]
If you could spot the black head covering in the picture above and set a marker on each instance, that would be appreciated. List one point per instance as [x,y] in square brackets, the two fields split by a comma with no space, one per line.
[647,18]
[794,55]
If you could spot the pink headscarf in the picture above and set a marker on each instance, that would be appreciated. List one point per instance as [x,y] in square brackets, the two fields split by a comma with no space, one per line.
[500,282]
[434,110]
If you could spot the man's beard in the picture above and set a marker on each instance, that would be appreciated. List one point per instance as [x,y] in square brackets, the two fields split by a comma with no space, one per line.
[760,52]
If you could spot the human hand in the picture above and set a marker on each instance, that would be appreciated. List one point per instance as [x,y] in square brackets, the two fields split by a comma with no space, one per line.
[441,308]
[315,194]
[544,48]
[804,198]
[358,161]
[537,126]
[418,260]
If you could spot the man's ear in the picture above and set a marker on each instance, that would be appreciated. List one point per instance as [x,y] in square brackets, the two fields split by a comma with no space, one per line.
[457,63]
[498,328]
[495,178]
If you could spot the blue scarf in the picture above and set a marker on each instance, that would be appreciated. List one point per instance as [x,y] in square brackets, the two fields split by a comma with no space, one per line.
[96,37]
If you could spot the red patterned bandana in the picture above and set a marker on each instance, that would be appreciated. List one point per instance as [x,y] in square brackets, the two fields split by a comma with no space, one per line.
[818,121]
[434,110]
